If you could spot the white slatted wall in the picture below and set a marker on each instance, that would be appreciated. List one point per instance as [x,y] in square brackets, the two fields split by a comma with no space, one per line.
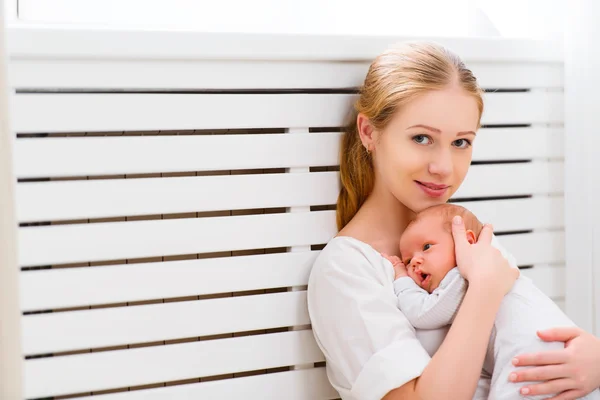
[171,206]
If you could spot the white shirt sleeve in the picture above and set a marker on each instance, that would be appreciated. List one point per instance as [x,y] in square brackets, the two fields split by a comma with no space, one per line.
[435,310]
[369,345]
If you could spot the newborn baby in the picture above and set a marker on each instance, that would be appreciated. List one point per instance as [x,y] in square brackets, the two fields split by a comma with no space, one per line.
[430,289]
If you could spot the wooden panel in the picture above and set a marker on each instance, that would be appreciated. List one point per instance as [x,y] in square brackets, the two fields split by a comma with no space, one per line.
[65,331]
[292,385]
[80,330]
[71,287]
[549,278]
[82,156]
[236,75]
[82,199]
[536,248]
[115,369]
[145,112]
[55,244]
[47,289]
[513,180]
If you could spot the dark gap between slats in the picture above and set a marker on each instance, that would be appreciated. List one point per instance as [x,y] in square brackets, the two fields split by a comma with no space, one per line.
[494,162]
[151,217]
[174,132]
[125,91]
[488,198]
[148,175]
[504,233]
[349,90]
[492,126]
[178,382]
[507,90]
[176,257]
[525,266]
[170,342]
[191,297]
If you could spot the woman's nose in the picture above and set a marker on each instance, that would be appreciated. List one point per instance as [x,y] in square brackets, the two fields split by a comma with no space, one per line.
[441,164]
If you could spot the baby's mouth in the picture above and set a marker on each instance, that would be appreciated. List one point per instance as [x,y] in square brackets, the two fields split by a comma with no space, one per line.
[425,280]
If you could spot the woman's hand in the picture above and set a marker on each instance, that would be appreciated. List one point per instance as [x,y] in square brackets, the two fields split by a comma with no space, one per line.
[480,263]
[572,372]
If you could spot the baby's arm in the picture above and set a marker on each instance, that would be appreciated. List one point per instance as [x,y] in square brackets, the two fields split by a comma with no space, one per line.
[435,310]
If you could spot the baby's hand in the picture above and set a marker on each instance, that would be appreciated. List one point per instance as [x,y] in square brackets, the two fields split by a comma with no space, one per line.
[399,267]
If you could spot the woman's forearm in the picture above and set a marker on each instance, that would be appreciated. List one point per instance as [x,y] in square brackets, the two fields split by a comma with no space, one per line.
[456,367]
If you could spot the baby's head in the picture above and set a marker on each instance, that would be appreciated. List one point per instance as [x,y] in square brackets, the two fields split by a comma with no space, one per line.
[427,245]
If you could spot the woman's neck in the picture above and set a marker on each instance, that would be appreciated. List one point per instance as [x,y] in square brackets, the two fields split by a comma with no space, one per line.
[380,222]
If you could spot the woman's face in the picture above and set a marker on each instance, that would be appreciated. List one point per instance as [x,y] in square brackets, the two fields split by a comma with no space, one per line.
[423,155]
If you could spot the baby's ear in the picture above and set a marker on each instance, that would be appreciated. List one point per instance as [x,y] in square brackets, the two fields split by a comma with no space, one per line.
[471,236]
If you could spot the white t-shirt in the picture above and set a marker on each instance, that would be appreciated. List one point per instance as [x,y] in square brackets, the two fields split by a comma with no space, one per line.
[369,345]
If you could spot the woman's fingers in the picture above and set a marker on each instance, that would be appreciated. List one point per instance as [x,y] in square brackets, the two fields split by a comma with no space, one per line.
[544,373]
[542,358]
[560,334]
[461,244]
[486,234]
[550,387]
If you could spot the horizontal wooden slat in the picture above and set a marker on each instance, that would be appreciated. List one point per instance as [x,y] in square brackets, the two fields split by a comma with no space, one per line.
[71,287]
[70,200]
[232,75]
[52,376]
[45,245]
[533,107]
[79,330]
[536,248]
[82,156]
[307,384]
[550,279]
[500,144]
[51,157]
[513,180]
[71,41]
[519,214]
[145,112]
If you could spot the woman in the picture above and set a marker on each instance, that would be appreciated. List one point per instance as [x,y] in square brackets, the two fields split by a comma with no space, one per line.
[409,147]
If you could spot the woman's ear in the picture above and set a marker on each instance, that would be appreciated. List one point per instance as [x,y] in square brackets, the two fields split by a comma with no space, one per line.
[471,236]
[366,132]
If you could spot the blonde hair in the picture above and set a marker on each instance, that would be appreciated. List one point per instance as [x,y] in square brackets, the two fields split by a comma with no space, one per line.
[395,77]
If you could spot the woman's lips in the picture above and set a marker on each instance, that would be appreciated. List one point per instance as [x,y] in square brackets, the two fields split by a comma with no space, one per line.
[432,189]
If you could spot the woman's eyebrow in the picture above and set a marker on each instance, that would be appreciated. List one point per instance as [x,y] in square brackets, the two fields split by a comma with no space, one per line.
[436,130]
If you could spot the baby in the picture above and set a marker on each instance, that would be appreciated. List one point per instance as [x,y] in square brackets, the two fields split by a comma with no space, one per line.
[430,290]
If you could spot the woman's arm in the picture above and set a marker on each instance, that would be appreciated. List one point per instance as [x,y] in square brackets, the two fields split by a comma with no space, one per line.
[573,371]
[490,278]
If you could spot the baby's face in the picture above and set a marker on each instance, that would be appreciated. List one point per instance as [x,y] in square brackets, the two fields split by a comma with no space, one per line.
[427,250]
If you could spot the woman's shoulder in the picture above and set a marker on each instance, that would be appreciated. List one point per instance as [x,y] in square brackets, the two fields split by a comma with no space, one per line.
[347,255]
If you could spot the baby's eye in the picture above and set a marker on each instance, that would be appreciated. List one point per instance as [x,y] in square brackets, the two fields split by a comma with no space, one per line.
[426,247]
[407,262]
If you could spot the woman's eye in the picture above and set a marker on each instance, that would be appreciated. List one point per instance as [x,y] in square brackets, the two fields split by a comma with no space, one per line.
[421,139]
[462,143]
[426,247]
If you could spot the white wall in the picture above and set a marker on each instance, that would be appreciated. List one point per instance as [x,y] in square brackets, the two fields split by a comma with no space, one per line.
[511,18]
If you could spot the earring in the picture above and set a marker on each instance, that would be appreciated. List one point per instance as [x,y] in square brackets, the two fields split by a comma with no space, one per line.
[367,147]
